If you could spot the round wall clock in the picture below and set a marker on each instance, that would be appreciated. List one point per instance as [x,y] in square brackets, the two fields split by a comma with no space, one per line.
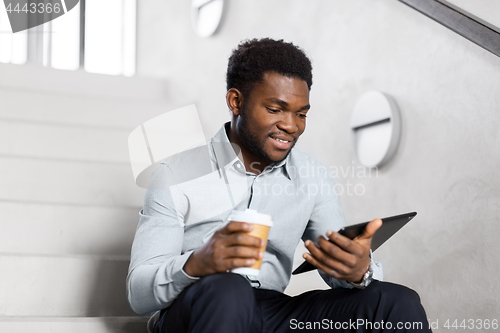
[376,128]
[206,16]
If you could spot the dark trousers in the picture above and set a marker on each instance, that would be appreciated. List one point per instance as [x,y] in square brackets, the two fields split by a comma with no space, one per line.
[226,303]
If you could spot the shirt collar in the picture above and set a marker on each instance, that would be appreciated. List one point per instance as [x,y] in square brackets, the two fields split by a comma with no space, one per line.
[225,151]
[229,153]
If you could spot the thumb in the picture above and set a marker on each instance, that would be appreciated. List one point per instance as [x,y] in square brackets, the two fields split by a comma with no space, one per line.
[370,229]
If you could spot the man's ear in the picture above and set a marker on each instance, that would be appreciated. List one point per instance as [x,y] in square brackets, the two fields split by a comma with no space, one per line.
[234,101]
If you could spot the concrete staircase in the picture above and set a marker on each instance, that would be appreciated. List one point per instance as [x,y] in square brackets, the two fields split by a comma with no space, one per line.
[68,202]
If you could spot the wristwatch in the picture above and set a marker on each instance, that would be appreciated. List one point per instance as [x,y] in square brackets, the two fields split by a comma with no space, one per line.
[367,279]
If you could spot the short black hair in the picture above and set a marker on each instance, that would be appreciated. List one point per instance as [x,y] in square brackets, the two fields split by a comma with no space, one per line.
[253,58]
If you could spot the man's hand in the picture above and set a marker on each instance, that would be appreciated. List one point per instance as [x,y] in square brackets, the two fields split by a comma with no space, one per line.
[345,259]
[230,247]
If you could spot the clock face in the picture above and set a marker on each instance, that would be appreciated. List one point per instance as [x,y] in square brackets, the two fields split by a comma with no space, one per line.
[376,127]
[206,16]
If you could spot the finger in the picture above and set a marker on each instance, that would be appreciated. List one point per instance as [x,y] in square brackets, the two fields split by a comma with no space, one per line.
[243,252]
[344,243]
[331,267]
[232,263]
[313,261]
[342,269]
[242,239]
[346,254]
[353,246]
[370,229]
[320,256]
[233,227]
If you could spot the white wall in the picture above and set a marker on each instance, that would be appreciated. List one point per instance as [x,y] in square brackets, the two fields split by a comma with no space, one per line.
[447,90]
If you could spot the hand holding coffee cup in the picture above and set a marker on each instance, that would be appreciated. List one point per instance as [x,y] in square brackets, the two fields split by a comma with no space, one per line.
[261,225]
[239,244]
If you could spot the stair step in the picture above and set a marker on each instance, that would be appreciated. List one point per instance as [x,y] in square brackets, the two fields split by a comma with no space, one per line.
[63,142]
[73,324]
[66,230]
[63,286]
[68,182]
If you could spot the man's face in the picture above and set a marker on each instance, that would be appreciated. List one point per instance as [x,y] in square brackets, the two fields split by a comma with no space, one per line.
[272,118]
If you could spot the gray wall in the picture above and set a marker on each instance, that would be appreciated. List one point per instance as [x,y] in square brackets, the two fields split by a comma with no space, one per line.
[447,89]
[68,205]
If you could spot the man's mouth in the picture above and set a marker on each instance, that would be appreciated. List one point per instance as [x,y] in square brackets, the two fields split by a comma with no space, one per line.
[281,140]
[282,143]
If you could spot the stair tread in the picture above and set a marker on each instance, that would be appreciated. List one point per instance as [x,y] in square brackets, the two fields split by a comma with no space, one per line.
[73,324]
[71,319]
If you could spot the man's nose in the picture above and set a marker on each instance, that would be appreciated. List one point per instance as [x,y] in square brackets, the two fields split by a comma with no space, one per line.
[287,123]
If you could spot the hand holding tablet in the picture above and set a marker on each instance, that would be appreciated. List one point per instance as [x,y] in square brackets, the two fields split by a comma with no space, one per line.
[390,226]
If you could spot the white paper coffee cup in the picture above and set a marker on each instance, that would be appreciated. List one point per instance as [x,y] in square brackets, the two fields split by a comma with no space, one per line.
[261,224]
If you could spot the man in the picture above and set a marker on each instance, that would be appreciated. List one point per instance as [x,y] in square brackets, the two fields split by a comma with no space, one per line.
[185,245]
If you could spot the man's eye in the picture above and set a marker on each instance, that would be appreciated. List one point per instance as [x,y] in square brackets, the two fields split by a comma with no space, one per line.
[301,115]
[272,110]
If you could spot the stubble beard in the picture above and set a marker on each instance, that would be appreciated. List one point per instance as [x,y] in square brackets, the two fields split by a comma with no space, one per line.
[251,141]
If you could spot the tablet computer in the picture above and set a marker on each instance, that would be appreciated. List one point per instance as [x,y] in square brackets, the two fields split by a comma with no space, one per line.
[389,227]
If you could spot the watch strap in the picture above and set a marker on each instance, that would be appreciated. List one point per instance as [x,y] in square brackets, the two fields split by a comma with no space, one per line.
[367,279]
